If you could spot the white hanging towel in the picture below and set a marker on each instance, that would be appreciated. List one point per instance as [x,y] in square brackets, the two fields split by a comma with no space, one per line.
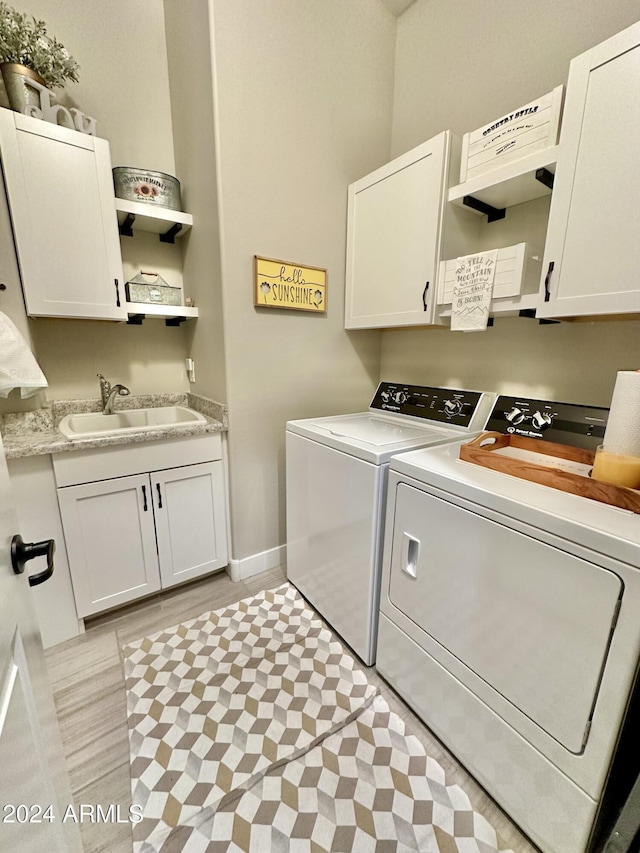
[472,292]
[18,367]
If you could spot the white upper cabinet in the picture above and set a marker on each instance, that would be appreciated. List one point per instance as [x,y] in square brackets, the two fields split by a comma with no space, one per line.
[60,192]
[592,257]
[394,234]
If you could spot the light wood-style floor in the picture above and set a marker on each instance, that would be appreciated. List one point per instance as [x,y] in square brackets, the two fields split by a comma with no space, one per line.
[88,684]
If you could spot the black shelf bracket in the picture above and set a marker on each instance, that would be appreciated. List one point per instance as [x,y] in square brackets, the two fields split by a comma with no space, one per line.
[545,177]
[492,213]
[170,235]
[135,319]
[126,228]
[174,321]
[531,312]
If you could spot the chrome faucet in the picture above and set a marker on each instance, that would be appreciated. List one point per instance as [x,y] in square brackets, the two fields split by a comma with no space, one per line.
[109,393]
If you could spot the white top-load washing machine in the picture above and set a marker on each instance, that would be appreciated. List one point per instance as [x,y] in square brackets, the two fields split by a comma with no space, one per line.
[510,622]
[336,485]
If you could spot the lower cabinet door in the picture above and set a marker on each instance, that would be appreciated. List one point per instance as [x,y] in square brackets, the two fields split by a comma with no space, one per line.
[189,505]
[110,538]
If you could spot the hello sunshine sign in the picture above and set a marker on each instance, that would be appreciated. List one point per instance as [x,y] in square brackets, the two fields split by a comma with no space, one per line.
[280,284]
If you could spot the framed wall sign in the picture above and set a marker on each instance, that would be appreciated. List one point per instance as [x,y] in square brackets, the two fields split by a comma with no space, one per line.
[280,284]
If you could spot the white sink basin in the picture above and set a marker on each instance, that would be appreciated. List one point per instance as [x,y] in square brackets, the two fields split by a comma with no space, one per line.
[90,424]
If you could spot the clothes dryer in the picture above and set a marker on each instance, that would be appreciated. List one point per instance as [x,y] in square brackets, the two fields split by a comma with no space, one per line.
[336,487]
[510,622]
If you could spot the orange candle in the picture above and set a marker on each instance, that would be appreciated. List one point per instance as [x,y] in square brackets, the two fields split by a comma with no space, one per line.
[616,468]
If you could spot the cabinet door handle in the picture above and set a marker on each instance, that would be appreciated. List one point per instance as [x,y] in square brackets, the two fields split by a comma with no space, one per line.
[144,498]
[425,304]
[117,284]
[159,496]
[547,281]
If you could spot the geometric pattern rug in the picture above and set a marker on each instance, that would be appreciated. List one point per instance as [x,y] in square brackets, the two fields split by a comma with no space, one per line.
[251,729]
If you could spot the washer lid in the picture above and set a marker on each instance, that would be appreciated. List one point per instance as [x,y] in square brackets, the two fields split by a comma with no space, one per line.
[377,431]
[373,438]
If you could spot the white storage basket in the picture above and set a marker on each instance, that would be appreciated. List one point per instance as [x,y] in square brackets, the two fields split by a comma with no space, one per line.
[513,136]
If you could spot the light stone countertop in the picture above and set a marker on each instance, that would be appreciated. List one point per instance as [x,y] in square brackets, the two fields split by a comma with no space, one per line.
[36,433]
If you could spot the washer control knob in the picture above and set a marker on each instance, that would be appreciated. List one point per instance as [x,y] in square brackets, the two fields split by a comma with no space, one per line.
[386,396]
[452,407]
[542,420]
[400,397]
[515,416]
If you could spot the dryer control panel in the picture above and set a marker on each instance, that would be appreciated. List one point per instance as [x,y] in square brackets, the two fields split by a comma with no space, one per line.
[564,423]
[442,405]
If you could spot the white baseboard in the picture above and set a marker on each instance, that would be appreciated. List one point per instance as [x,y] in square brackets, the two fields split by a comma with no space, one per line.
[239,570]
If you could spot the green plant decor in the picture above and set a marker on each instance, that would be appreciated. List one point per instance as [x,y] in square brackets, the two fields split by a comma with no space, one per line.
[24,40]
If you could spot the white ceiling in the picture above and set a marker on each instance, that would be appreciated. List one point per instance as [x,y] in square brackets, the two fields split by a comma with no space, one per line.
[397,7]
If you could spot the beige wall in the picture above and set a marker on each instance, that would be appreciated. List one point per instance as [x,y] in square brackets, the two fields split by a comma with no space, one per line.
[149,359]
[305,98]
[191,78]
[458,66]
[120,47]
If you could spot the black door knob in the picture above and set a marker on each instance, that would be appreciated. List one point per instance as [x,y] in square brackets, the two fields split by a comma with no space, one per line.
[22,552]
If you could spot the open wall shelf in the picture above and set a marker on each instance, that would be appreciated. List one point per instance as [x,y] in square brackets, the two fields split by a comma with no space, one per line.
[514,183]
[138,216]
[173,315]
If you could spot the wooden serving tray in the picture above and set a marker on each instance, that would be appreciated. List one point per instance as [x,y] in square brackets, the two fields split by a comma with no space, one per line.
[482,451]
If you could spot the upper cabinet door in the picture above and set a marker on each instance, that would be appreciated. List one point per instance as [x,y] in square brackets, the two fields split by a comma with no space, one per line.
[394,233]
[592,255]
[65,226]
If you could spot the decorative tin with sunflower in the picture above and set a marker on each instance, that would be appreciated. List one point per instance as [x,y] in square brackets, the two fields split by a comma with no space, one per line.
[156,188]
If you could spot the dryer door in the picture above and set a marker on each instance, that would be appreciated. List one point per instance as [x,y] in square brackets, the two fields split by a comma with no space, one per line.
[531,621]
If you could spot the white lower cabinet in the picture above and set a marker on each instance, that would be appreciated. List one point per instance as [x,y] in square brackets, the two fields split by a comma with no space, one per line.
[110,534]
[190,521]
[129,536]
